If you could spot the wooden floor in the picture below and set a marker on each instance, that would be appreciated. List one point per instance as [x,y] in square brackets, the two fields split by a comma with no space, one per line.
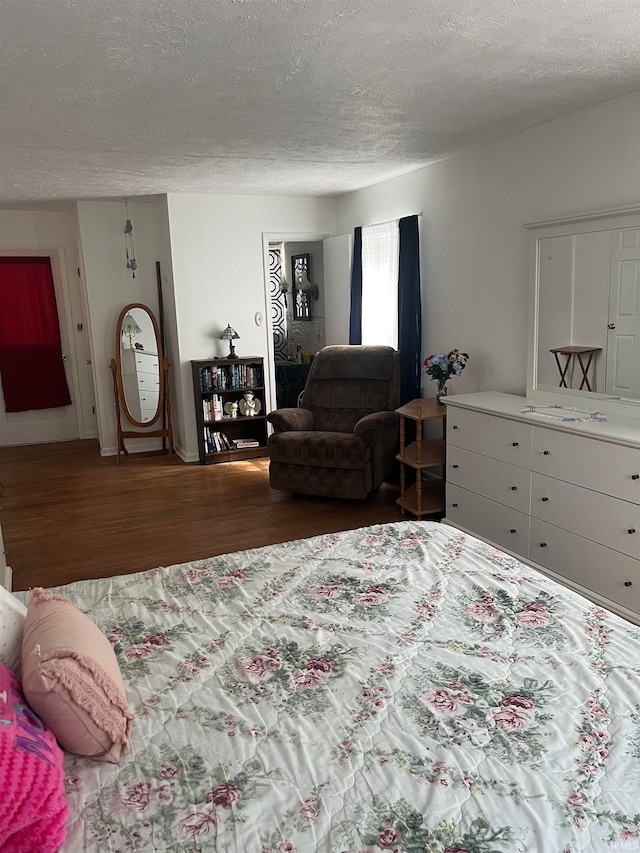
[68,514]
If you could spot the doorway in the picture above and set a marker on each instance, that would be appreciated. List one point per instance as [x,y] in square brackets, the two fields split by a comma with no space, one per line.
[36,426]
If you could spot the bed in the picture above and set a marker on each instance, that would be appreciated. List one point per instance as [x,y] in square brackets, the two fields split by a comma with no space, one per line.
[403,687]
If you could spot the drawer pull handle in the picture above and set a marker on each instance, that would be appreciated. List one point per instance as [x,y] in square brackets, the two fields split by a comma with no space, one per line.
[455,426]
[514,488]
[628,583]
[454,504]
[543,544]
[513,530]
[515,444]
[631,530]
[544,500]
[546,453]
[455,466]
[635,476]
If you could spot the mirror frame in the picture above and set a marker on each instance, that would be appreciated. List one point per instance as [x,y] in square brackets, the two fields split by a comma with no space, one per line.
[607,220]
[156,329]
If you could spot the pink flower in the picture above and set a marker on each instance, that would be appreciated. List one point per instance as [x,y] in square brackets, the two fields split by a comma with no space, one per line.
[533,618]
[440,699]
[467,781]
[374,539]
[434,592]
[217,643]
[168,772]
[533,605]
[439,767]
[483,612]
[286,847]
[602,735]
[251,669]
[511,719]
[309,811]
[305,679]
[254,732]
[576,800]
[320,665]
[230,720]
[320,591]
[377,590]
[165,792]
[225,582]
[516,700]
[368,599]
[137,797]
[224,795]
[238,574]
[386,668]
[345,745]
[134,653]
[627,833]
[410,541]
[388,836]
[155,639]
[455,849]
[198,823]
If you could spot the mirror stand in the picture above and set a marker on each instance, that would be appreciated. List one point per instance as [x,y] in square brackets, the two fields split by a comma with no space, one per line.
[141,379]
[166,432]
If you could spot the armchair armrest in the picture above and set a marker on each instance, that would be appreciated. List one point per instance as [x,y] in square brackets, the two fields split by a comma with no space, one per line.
[291,420]
[376,421]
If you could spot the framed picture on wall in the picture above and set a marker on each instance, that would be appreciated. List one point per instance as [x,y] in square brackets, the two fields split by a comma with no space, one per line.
[301,286]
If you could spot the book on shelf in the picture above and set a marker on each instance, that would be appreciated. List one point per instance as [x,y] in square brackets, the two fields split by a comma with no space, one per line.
[241,443]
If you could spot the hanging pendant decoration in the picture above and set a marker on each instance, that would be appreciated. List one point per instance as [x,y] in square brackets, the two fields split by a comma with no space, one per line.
[130,250]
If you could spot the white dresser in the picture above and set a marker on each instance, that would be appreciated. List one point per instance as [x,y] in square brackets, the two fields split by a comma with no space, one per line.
[564,496]
[141,383]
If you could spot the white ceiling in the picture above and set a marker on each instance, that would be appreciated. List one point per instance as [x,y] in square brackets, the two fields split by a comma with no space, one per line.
[105,98]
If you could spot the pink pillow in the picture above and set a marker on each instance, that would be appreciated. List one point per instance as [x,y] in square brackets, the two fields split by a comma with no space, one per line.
[33,809]
[71,677]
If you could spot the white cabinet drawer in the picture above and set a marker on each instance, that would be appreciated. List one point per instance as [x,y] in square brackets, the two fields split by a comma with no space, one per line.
[501,438]
[493,521]
[603,467]
[496,480]
[609,573]
[595,516]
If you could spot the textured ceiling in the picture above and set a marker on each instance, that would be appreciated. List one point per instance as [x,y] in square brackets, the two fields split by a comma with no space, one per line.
[105,98]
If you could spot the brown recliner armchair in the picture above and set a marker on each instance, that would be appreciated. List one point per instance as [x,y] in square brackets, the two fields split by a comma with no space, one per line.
[341,442]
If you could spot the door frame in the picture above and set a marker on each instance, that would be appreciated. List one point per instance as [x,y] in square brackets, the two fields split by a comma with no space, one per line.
[57,259]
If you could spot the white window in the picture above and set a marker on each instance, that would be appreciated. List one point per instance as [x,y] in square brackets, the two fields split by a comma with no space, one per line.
[380,252]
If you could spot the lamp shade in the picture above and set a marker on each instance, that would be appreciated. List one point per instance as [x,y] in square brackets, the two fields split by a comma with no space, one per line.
[229,334]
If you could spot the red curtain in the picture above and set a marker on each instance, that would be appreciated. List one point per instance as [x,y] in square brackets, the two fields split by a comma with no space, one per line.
[31,364]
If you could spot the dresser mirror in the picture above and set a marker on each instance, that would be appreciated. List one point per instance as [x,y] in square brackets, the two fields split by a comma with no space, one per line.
[141,378]
[586,305]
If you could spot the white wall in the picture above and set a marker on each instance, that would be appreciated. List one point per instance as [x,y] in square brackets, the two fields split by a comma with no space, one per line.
[57,230]
[217,245]
[475,262]
[337,288]
[110,286]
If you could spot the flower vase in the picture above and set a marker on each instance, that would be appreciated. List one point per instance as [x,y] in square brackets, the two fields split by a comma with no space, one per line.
[440,393]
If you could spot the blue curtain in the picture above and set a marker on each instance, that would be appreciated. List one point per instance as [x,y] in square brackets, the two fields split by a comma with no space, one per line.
[355,319]
[409,311]
[409,306]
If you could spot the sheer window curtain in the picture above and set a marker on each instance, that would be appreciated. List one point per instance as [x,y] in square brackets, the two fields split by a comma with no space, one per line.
[380,253]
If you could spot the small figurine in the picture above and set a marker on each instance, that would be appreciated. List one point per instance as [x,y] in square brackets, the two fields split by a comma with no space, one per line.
[231,409]
[249,406]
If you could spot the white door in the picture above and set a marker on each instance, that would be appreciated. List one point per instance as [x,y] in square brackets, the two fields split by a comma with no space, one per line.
[44,425]
[623,340]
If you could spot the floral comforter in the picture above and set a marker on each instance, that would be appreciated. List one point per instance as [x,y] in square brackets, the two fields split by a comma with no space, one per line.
[402,687]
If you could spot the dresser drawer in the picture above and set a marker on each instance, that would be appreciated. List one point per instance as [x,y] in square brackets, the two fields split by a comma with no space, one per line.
[493,521]
[597,465]
[496,480]
[501,438]
[595,516]
[609,573]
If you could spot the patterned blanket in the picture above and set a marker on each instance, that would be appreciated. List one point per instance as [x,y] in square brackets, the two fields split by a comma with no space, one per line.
[402,687]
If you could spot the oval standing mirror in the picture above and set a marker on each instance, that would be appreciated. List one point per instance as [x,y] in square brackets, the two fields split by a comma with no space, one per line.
[139,363]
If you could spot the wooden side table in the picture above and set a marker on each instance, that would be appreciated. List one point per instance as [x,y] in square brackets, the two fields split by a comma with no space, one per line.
[571,353]
[428,497]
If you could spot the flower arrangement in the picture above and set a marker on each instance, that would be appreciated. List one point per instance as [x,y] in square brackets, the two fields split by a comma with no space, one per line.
[443,366]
